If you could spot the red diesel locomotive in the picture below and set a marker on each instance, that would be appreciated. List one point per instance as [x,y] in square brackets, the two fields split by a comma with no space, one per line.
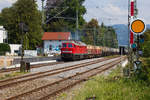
[73,50]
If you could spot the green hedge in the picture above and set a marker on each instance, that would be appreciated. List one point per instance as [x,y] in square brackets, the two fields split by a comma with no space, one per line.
[4,48]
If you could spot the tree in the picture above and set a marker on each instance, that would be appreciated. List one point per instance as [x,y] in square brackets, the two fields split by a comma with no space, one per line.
[23,11]
[1,20]
[58,26]
[69,14]
[4,48]
[99,35]
[91,32]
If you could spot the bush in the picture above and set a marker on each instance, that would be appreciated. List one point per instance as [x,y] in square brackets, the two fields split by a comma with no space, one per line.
[4,48]
[146,68]
[145,46]
[146,49]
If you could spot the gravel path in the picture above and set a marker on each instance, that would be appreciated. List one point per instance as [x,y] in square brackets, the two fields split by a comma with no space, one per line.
[45,68]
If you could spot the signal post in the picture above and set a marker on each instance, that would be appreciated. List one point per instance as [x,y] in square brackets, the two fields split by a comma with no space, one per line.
[138,27]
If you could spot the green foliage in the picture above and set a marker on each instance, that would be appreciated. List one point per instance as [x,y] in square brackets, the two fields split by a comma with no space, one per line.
[4,48]
[146,45]
[90,32]
[145,70]
[1,20]
[70,12]
[58,26]
[23,11]
[110,89]
[99,35]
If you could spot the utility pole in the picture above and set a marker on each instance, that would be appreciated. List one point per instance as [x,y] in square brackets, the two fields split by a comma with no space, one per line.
[43,15]
[77,20]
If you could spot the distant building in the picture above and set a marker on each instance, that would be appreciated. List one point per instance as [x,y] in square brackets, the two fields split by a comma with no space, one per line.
[3,35]
[53,40]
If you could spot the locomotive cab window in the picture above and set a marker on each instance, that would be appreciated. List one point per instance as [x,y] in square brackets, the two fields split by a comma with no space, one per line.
[64,45]
[70,45]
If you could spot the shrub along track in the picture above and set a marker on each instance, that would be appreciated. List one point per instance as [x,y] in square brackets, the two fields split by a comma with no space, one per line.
[44,92]
[32,66]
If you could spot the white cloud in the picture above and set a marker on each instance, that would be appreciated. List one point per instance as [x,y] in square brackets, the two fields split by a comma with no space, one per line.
[8,1]
[114,10]
[109,13]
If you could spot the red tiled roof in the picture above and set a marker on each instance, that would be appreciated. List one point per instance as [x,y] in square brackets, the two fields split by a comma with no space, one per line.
[56,36]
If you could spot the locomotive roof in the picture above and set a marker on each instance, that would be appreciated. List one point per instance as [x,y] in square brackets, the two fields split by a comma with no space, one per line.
[76,43]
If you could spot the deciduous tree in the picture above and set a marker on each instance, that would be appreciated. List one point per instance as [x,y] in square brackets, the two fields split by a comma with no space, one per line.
[69,14]
[24,11]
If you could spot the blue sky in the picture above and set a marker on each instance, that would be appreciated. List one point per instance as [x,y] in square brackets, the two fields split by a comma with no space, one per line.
[108,11]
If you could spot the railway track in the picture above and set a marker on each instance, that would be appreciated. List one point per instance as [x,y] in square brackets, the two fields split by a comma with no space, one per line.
[14,81]
[49,90]
[32,66]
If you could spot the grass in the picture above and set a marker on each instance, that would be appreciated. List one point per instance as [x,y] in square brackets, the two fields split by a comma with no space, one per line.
[146,61]
[113,87]
[10,75]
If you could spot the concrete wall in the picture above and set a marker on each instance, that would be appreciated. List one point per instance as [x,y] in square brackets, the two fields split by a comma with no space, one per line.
[32,53]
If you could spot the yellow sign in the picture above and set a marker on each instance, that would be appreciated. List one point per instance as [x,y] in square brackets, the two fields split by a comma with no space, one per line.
[138,26]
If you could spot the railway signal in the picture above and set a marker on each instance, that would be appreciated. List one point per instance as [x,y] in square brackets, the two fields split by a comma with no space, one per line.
[24,29]
[137,26]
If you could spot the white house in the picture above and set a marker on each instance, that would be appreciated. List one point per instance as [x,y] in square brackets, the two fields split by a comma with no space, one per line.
[53,40]
[3,35]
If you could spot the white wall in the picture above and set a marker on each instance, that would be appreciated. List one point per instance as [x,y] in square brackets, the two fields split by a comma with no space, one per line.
[55,44]
[30,53]
[14,47]
[3,34]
